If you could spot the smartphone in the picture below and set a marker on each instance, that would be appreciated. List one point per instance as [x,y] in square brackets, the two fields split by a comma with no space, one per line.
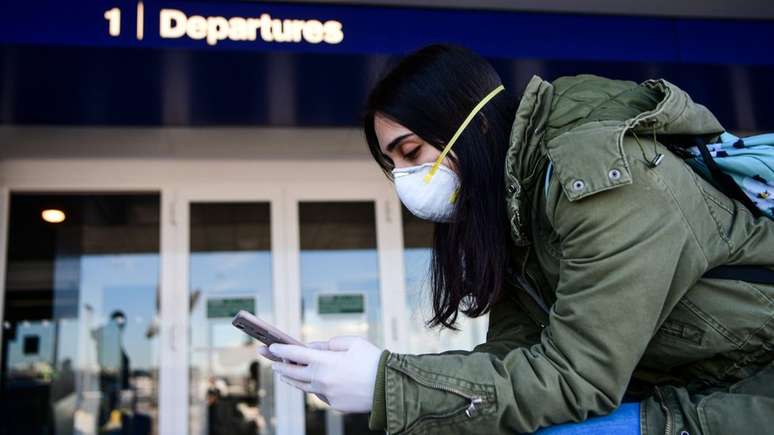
[262,331]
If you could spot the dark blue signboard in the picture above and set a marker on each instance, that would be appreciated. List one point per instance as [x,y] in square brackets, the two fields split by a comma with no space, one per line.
[92,62]
[332,29]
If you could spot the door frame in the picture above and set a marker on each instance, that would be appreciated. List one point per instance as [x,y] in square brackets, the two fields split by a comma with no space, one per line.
[35,182]
[5,204]
[389,245]
[178,313]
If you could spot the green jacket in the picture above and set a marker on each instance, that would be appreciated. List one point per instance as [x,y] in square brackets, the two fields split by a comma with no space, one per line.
[614,249]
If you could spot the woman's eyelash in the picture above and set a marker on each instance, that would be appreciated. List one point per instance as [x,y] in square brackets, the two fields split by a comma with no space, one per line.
[413,152]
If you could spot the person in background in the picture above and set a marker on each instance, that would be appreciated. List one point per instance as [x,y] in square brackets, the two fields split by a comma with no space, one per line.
[114,369]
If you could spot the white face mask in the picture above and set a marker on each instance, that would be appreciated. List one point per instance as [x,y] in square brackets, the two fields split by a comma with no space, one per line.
[433,200]
[427,192]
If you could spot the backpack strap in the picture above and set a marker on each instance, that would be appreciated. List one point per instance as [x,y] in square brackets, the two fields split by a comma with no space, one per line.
[756,274]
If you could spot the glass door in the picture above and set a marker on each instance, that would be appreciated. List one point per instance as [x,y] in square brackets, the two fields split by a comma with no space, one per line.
[339,268]
[230,263]
[80,342]
[339,273]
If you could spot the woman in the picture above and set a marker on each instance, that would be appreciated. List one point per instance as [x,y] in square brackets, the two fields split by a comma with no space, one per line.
[563,216]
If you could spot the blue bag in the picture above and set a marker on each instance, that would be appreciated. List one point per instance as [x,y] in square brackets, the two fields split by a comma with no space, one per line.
[748,162]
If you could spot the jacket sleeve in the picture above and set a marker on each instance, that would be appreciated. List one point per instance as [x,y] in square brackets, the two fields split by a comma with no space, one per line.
[628,255]
[509,328]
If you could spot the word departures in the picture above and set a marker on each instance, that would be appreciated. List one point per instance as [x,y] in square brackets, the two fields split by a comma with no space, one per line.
[175,24]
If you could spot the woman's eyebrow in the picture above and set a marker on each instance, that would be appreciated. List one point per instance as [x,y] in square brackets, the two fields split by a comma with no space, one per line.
[396,141]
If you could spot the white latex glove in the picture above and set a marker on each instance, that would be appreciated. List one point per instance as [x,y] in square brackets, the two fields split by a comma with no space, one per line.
[344,372]
[266,353]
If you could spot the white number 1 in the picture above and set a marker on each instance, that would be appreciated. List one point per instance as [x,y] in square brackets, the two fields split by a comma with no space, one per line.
[114,21]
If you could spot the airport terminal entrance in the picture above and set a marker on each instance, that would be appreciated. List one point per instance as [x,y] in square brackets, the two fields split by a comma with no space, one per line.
[118,293]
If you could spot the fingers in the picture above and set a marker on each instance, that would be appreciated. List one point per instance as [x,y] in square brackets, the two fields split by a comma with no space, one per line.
[319,345]
[299,373]
[264,352]
[303,386]
[299,354]
[342,343]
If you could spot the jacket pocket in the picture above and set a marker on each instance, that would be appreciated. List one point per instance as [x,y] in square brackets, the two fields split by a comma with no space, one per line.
[685,337]
[741,414]
[682,330]
[721,208]
[735,310]
[473,403]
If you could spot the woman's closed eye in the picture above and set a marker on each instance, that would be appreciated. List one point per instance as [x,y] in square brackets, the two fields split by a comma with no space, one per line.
[413,153]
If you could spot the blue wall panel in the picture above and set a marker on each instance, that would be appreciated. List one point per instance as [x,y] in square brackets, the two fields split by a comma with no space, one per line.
[58,65]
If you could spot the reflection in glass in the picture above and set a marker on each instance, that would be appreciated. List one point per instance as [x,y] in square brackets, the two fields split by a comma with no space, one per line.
[418,248]
[79,348]
[339,290]
[231,390]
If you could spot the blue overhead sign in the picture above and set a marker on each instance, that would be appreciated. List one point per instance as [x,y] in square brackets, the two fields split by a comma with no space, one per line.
[344,29]
[196,63]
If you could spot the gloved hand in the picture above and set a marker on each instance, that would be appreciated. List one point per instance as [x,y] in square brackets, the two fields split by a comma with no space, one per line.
[343,371]
[266,353]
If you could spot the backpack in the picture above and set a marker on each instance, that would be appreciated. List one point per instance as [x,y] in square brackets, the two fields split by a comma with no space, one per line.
[743,169]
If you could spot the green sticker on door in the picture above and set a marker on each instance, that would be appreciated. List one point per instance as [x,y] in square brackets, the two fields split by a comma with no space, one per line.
[228,307]
[350,303]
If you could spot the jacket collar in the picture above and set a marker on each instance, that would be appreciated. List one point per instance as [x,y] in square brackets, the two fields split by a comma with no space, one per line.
[526,156]
[602,151]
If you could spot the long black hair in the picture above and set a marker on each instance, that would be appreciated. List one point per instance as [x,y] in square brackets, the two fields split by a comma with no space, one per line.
[431,92]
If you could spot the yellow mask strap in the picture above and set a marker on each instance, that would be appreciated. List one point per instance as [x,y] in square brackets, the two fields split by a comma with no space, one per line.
[457,134]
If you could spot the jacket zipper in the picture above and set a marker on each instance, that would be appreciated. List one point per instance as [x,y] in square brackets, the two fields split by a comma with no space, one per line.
[665,408]
[469,408]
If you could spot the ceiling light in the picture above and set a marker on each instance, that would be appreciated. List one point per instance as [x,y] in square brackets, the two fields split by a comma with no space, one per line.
[54,216]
